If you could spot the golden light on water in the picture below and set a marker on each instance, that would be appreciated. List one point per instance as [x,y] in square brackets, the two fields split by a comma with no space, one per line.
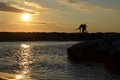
[19,77]
[24,59]
[25,46]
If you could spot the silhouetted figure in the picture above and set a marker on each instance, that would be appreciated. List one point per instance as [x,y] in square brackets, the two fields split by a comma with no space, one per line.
[79,27]
[82,28]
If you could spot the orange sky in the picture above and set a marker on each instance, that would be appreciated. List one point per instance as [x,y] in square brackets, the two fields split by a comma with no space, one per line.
[59,15]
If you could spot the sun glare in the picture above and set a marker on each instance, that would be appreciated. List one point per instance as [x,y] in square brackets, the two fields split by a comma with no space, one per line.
[25,46]
[18,76]
[26,17]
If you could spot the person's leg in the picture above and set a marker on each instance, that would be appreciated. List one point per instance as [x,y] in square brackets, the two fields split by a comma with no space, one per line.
[82,30]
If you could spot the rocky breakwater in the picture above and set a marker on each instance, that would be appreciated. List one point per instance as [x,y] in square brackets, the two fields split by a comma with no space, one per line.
[105,51]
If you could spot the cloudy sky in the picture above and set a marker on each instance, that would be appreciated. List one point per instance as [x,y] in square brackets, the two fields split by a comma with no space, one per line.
[59,15]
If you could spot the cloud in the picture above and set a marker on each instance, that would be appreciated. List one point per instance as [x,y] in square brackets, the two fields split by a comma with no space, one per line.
[25,6]
[4,21]
[72,1]
[79,4]
[31,23]
[13,8]
[33,4]
[85,5]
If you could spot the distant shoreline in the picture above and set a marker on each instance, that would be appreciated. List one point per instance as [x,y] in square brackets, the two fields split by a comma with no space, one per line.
[51,36]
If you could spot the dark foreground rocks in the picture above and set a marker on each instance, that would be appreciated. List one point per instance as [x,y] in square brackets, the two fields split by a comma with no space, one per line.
[105,51]
[112,62]
[93,50]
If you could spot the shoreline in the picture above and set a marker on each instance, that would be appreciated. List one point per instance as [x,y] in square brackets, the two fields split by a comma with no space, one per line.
[52,36]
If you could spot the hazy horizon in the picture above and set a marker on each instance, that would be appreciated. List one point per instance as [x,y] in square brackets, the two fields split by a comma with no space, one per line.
[59,15]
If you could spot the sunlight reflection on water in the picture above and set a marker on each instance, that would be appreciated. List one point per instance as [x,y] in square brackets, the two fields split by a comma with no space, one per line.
[23,60]
[44,61]
[19,77]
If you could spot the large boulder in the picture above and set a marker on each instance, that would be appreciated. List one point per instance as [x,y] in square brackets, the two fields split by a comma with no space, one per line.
[111,37]
[106,51]
[115,44]
[93,50]
[112,62]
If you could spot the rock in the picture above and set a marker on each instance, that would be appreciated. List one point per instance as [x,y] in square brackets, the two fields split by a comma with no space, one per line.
[93,50]
[111,37]
[106,51]
[112,62]
[115,44]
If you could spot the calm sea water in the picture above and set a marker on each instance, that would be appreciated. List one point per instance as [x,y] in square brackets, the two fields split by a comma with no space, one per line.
[46,60]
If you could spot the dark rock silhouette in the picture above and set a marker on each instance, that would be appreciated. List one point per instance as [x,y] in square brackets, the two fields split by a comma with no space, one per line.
[112,62]
[93,50]
[105,51]
[44,36]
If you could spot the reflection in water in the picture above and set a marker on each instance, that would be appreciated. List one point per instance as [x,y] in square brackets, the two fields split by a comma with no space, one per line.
[19,77]
[24,59]
[25,46]
[49,61]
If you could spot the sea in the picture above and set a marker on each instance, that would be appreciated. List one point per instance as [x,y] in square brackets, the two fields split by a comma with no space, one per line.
[47,60]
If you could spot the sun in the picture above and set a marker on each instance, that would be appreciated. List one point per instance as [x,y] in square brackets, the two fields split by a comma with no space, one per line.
[26,17]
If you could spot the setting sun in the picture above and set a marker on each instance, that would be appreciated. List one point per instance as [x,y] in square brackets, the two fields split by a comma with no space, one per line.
[26,17]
